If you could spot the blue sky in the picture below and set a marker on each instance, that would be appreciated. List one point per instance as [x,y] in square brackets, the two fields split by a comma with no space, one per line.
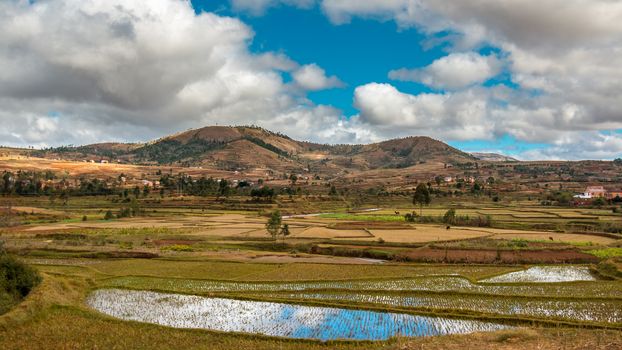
[358,52]
[527,78]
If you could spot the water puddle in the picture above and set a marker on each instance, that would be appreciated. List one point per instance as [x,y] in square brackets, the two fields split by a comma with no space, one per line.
[274,319]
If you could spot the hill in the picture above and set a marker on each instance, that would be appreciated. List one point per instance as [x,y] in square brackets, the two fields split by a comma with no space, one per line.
[244,148]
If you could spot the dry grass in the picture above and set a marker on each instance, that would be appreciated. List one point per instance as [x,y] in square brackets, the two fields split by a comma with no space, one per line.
[557,237]
[521,339]
[323,232]
[427,233]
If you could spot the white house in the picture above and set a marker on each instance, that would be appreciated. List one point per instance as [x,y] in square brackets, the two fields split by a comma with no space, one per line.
[592,192]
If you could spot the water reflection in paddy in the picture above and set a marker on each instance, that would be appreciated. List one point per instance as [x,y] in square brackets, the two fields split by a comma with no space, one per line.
[274,319]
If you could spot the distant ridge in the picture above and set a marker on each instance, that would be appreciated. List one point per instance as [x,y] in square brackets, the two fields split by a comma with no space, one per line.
[246,147]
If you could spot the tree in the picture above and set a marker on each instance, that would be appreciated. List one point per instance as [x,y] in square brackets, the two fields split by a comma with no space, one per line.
[438,179]
[293,178]
[274,223]
[64,196]
[223,188]
[599,202]
[421,197]
[108,215]
[285,231]
[450,216]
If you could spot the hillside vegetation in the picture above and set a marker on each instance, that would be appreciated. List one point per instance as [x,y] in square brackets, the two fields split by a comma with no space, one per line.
[246,147]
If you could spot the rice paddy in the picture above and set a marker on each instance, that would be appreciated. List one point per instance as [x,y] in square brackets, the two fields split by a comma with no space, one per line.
[274,319]
[458,284]
[545,274]
[599,311]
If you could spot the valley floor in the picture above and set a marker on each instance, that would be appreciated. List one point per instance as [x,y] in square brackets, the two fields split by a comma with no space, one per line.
[349,260]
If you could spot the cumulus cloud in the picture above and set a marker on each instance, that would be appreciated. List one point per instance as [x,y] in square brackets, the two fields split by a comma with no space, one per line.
[454,71]
[594,145]
[312,77]
[456,116]
[78,71]
[259,7]
[127,70]
[480,113]
[562,55]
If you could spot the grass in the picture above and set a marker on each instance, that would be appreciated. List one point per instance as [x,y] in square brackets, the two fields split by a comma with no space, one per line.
[217,270]
[178,248]
[343,216]
[606,253]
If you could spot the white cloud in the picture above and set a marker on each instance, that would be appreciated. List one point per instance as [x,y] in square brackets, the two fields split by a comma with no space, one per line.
[454,71]
[259,7]
[78,71]
[563,55]
[453,116]
[312,77]
[476,113]
[593,145]
[126,70]
[342,11]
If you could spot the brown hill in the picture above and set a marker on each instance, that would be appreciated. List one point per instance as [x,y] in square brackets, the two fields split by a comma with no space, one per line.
[244,148]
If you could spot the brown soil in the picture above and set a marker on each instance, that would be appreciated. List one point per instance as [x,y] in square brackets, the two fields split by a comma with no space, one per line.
[488,256]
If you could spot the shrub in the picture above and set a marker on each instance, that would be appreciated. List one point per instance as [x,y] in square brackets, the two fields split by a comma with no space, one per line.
[450,216]
[16,281]
[410,217]
[109,215]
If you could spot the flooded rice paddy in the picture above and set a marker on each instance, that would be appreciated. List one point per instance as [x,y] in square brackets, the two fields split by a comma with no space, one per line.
[602,311]
[274,319]
[545,274]
[601,289]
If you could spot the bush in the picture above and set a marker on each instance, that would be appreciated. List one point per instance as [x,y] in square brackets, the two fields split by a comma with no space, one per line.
[450,216]
[410,217]
[109,215]
[16,281]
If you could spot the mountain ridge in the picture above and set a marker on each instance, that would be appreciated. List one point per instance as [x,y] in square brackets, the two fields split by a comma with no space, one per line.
[244,147]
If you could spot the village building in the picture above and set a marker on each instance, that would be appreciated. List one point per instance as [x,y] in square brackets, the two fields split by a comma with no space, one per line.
[593,192]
